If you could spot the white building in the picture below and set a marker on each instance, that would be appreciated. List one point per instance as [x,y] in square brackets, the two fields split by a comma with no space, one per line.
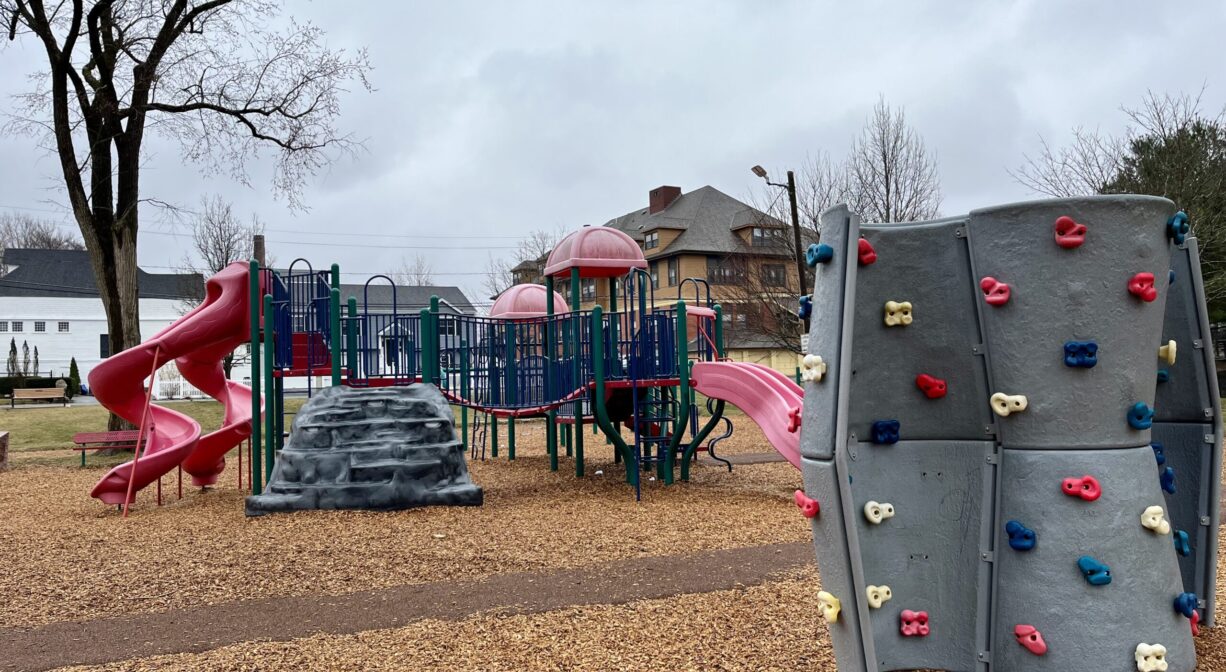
[48,300]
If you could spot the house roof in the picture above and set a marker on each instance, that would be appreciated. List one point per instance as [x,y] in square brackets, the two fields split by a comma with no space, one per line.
[707,218]
[408,298]
[68,273]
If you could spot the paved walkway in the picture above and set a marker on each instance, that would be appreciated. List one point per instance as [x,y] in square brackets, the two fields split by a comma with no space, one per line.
[209,627]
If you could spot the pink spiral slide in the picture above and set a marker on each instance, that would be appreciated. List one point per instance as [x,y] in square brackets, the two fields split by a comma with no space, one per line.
[198,342]
[768,397]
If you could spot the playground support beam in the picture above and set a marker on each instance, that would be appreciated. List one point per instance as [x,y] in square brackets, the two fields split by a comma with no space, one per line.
[576,355]
[464,393]
[334,310]
[718,410]
[270,409]
[351,339]
[599,411]
[551,356]
[683,391]
[253,286]
[435,348]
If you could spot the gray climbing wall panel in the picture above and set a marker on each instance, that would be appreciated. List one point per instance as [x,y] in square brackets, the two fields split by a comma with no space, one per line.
[1186,396]
[1044,587]
[1188,452]
[929,267]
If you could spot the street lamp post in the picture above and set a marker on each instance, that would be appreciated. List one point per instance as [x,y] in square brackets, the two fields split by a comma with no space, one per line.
[800,253]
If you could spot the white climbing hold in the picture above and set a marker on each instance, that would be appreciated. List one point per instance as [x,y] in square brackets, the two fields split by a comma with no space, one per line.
[1154,518]
[897,314]
[1151,658]
[812,368]
[1004,404]
[830,606]
[875,513]
[878,595]
[1167,352]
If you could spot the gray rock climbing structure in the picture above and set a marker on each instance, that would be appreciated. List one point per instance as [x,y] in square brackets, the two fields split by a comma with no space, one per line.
[991,384]
[376,448]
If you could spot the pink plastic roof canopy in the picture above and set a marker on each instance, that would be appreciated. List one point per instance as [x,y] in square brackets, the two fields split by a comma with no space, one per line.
[526,301]
[598,252]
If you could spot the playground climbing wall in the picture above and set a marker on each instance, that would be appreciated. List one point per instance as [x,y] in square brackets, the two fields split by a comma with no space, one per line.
[978,434]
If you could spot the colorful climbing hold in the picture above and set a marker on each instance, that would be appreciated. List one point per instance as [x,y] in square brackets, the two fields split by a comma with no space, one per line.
[1167,480]
[1029,637]
[866,253]
[1167,352]
[1178,227]
[1140,416]
[886,431]
[1021,538]
[1069,234]
[932,387]
[1159,453]
[1151,658]
[877,595]
[897,313]
[1095,572]
[812,368]
[995,292]
[1153,518]
[806,307]
[1194,621]
[809,508]
[794,416]
[1086,487]
[1182,545]
[1171,278]
[1006,404]
[1186,604]
[1164,376]
[876,512]
[818,253]
[914,623]
[830,606]
[1141,286]
[1080,354]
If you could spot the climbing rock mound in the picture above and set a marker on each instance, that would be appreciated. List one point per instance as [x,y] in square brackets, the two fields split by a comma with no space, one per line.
[382,448]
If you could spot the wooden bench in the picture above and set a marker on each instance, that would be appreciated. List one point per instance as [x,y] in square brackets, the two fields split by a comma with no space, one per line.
[121,440]
[37,393]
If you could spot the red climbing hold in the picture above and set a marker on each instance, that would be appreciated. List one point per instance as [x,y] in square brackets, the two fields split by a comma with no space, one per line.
[1086,487]
[1030,638]
[1142,286]
[1195,621]
[867,254]
[914,623]
[933,388]
[794,419]
[809,508]
[995,292]
[1069,234]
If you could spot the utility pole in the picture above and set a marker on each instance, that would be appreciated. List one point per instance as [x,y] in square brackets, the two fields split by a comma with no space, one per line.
[800,252]
[257,248]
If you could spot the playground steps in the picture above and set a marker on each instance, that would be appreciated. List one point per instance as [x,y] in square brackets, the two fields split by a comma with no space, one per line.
[381,448]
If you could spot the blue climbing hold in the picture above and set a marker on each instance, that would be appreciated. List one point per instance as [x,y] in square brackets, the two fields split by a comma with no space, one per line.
[1095,572]
[1159,453]
[818,253]
[1186,604]
[1163,375]
[1080,354]
[806,307]
[1177,228]
[1182,546]
[1168,479]
[885,431]
[1140,416]
[1172,277]
[1021,538]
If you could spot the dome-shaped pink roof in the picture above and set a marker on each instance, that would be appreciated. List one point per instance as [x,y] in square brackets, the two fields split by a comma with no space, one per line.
[598,252]
[525,301]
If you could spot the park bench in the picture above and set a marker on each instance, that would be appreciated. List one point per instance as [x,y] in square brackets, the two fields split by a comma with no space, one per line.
[37,393]
[121,440]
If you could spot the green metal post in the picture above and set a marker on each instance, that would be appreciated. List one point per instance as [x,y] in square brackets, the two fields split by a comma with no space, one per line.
[435,336]
[253,286]
[464,392]
[351,338]
[279,398]
[270,408]
[493,435]
[551,355]
[578,369]
[719,330]
[614,323]
[683,392]
[424,337]
[335,312]
[600,411]
[511,438]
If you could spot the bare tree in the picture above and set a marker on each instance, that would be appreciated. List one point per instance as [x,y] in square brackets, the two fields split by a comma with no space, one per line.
[1083,166]
[418,271]
[891,175]
[533,248]
[23,231]
[214,74]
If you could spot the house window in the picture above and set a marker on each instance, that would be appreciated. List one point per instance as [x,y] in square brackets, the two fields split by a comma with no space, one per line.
[725,270]
[765,236]
[19,326]
[4,326]
[447,327]
[587,289]
[104,345]
[651,240]
[655,275]
[40,327]
[672,271]
[62,327]
[774,275]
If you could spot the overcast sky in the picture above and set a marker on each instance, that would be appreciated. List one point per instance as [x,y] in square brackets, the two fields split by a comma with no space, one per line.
[492,119]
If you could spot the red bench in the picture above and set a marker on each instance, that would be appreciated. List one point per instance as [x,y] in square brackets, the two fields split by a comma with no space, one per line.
[121,440]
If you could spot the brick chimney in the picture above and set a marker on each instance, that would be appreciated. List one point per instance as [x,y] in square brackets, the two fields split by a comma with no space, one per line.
[662,197]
